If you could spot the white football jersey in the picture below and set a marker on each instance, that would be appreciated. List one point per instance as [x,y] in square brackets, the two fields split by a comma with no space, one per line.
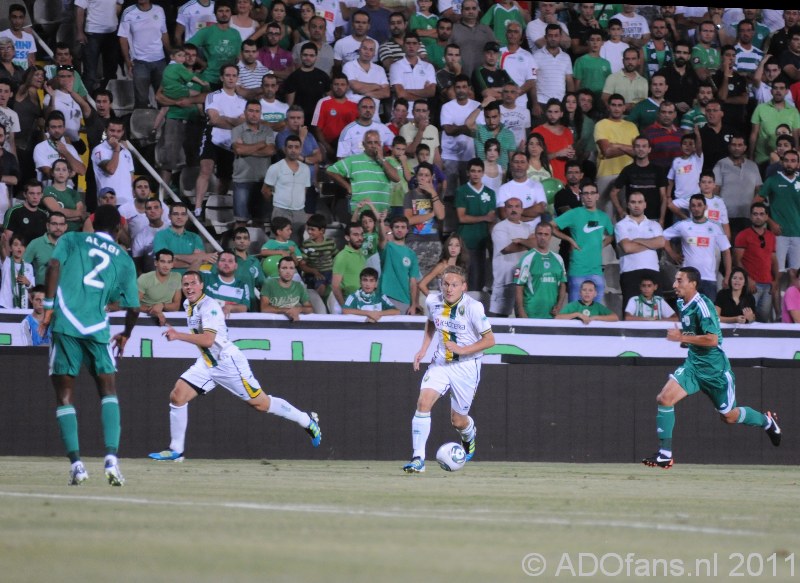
[464,323]
[207,316]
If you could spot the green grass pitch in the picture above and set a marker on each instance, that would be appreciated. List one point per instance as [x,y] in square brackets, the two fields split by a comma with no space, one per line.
[304,521]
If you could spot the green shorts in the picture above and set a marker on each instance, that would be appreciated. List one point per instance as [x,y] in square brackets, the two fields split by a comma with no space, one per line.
[68,353]
[719,387]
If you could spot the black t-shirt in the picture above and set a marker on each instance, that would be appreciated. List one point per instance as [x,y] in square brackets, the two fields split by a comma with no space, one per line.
[729,308]
[308,88]
[647,180]
[29,224]
[715,145]
[9,165]
[680,88]
[565,198]
[580,31]
[778,43]
[483,78]
[736,115]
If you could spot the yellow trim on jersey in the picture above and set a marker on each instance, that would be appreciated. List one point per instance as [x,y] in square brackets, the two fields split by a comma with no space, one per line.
[447,311]
[253,394]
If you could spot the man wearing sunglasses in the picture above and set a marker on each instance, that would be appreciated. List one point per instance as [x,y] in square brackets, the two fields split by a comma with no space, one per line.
[754,251]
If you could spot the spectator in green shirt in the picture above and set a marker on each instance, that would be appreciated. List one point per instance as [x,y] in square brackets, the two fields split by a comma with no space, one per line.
[586,309]
[284,295]
[367,175]
[367,302]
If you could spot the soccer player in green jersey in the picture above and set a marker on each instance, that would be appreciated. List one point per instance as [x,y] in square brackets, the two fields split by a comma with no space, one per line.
[706,369]
[86,272]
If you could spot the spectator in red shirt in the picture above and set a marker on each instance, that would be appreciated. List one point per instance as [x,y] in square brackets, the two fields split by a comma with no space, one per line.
[332,114]
[754,250]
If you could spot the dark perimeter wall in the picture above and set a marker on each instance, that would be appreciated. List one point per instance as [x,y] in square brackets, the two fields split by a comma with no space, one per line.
[532,409]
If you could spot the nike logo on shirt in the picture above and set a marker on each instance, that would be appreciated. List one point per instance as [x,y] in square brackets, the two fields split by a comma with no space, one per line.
[588,229]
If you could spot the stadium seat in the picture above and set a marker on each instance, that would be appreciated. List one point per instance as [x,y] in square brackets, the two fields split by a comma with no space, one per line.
[122,91]
[46,12]
[219,212]
[189,180]
[611,276]
[335,231]
[257,239]
[333,306]
[316,302]
[141,126]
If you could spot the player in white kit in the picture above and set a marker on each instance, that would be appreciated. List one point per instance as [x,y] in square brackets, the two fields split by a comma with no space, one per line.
[220,363]
[463,332]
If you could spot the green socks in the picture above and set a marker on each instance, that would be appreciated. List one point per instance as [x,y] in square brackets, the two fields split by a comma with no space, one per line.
[68,424]
[665,423]
[109,415]
[748,416]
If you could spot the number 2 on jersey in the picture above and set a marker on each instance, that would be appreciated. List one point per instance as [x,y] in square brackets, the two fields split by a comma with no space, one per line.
[91,278]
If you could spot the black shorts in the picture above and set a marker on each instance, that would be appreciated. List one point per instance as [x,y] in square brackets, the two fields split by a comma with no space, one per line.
[222,158]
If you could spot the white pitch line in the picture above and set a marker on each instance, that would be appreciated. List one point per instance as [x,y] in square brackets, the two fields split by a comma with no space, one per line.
[480,516]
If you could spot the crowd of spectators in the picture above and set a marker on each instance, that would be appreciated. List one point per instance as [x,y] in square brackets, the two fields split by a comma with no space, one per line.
[565,153]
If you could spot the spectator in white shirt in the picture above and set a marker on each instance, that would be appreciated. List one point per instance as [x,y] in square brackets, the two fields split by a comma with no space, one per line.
[553,70]
[143,38]
[113,163]
[224,110]
[411,77]
[346,48]
[96,23]
[351,140]
[193,16]
[63,97]
[24,43]
[365,77]
[53,147]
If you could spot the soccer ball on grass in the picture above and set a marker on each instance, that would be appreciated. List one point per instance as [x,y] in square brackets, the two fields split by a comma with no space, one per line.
[451,456]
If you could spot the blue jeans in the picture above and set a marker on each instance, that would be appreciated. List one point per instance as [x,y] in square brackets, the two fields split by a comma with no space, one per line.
[574,287]
[763,297]
[107,45]
[145,75]
[476,276]
[248,202]
[708,288]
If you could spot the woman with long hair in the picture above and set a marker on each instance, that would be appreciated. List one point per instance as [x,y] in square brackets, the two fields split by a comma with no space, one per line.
[301,33]
[735,304]
[454,252]
[492,171]
[538,161]
[28,106]
[279,13]
[582,128]
[243,20]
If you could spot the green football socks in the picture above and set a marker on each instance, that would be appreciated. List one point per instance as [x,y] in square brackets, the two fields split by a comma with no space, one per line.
[68,424]
[109,415]
[748,416]
[665,423]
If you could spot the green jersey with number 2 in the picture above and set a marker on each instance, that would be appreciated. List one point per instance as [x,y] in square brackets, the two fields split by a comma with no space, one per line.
[94,271]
